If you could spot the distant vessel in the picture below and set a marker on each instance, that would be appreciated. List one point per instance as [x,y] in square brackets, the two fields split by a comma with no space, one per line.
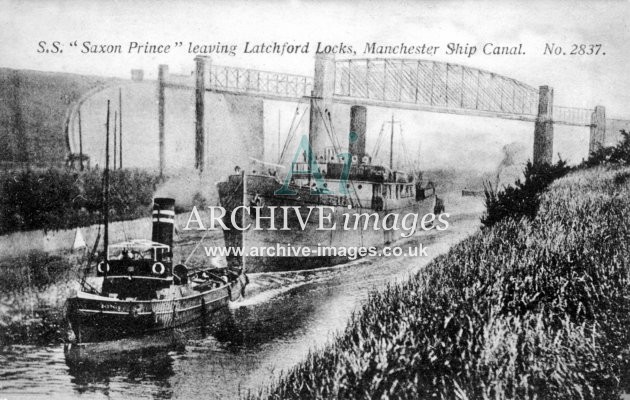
[472,193]
[371,189]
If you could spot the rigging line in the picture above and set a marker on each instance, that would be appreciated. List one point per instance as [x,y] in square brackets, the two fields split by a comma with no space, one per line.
[354,190]
[230,195]
[334,139]
[292,129]
[297,110]
[333,131]
[355,193]
[319,110]
[409,159]
[379,142]
[123,222]
[196,247]
[405,157]
[90,256]
[81,274]
[289,139]
[321,115]
[332,135]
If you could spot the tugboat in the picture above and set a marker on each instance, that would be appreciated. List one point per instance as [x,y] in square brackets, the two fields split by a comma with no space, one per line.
[371,189]
[142,292]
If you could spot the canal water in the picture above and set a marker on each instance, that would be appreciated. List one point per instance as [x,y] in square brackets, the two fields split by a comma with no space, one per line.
[245,348]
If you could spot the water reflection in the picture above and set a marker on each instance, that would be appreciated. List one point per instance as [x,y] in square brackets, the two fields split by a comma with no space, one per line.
[153,368]
[239,349]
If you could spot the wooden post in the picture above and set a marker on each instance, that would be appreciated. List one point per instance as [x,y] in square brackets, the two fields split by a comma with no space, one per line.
[115,137]
[598,129]
[162,75]
[200,93]
[80,140]
[391,146]
[543,131]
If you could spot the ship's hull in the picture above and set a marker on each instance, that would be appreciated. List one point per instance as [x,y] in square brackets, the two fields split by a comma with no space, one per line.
[96,318]
[259,191]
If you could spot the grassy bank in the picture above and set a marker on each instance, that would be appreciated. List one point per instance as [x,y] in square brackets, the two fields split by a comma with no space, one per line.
[531,309]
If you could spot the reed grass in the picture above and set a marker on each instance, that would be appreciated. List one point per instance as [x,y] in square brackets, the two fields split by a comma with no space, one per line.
[536,308]
[33,291]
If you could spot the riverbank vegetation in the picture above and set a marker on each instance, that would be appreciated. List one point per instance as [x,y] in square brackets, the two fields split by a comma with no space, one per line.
[523,198]
[536,306]
[58,198]
[33,291]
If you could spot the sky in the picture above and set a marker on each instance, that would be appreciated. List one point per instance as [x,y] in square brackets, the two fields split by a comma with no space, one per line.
[578,81]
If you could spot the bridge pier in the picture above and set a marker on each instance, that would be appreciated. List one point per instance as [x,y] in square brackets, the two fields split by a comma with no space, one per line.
[162,77]
[321,102]
[543,131]
[201,65]
[598,129]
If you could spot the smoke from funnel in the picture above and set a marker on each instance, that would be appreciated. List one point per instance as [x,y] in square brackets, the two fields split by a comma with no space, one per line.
[189,189]
[510,168]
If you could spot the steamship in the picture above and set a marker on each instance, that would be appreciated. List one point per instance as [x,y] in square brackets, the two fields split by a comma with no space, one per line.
[142,292]
[370,189]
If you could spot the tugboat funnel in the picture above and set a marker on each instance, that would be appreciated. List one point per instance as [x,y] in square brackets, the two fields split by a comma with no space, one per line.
[163,220]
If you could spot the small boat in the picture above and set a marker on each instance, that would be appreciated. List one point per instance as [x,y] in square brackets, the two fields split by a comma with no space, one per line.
[142,292]
[472,193]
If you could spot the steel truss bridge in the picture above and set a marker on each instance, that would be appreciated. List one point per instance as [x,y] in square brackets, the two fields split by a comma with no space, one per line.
[400,83]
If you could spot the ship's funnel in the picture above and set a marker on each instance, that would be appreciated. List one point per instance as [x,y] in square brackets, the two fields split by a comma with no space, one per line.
[358,124]
[321,106]
[163,220]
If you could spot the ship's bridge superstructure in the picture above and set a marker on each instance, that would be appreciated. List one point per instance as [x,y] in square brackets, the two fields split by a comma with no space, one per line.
[367,185]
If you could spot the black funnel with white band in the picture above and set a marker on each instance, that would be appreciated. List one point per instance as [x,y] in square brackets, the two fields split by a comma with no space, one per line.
[163,220]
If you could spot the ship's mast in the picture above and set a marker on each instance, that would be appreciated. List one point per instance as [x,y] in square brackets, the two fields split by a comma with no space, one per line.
[106,184]
[391,146]
[244,183]
[120,145]
[115,134]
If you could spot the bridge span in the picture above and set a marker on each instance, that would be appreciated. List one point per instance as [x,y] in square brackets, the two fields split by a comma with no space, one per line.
[410,84]
[407,84]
